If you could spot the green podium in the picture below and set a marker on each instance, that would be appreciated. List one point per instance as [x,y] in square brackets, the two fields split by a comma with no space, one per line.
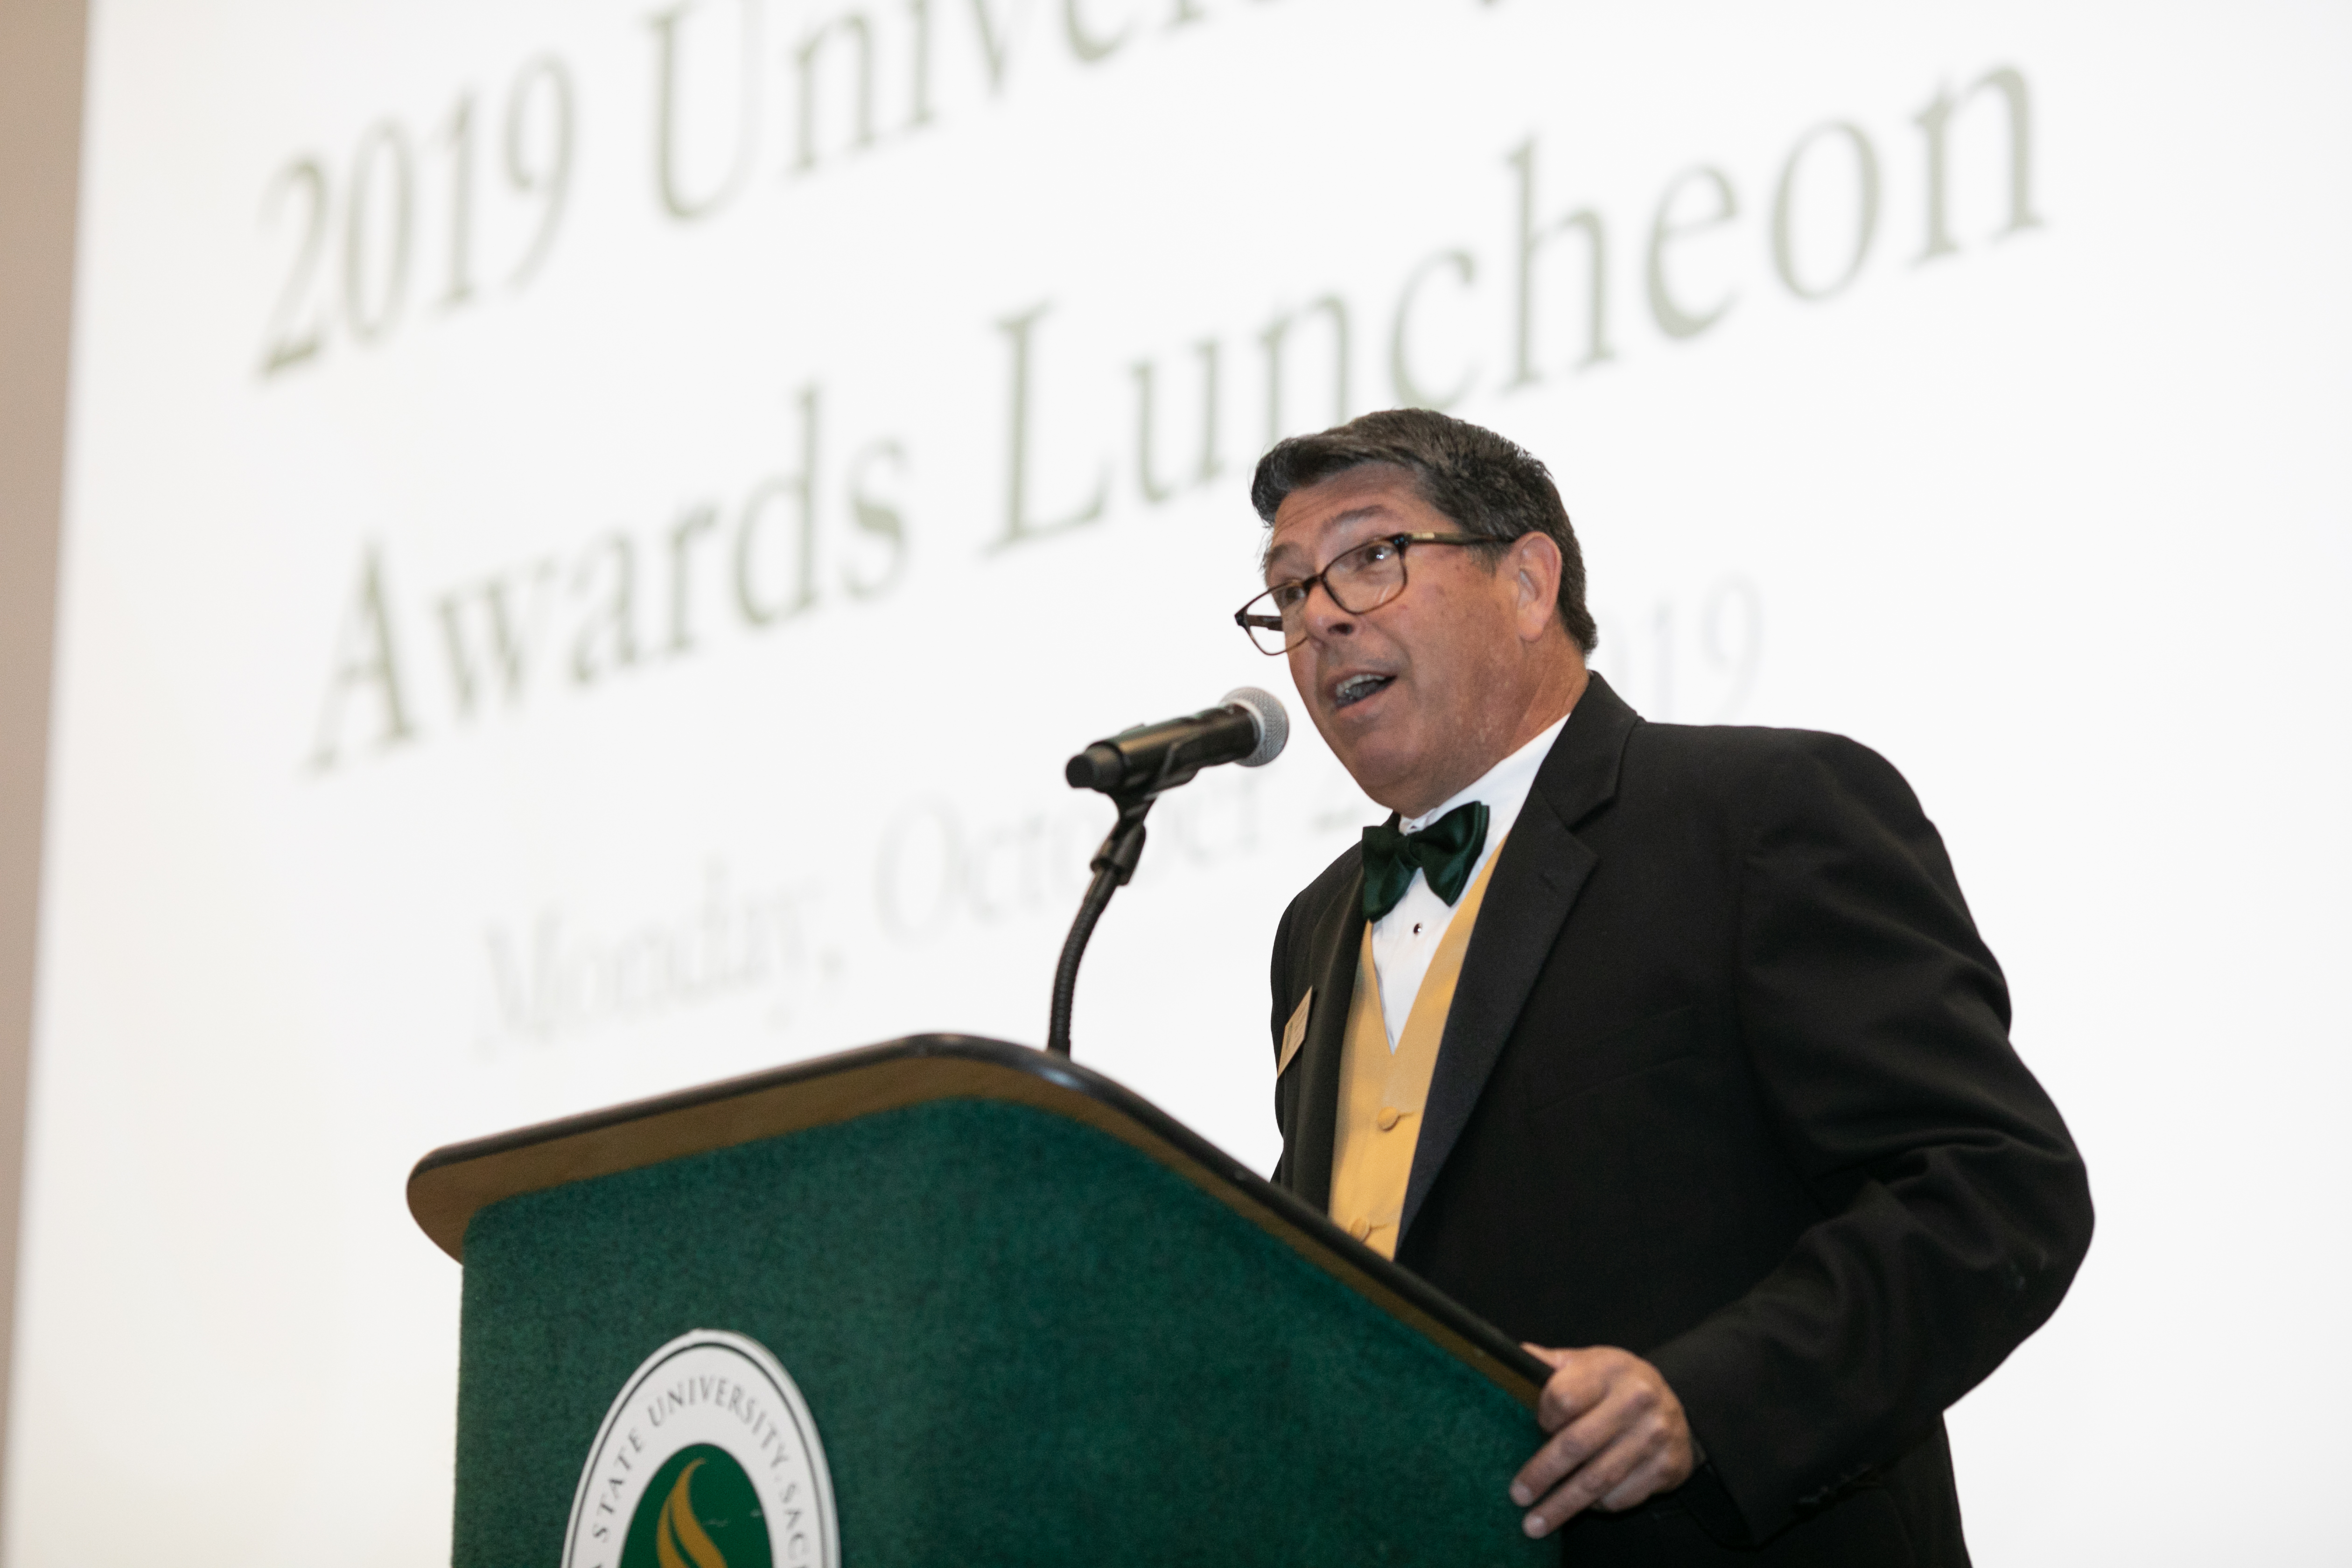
[947,1301]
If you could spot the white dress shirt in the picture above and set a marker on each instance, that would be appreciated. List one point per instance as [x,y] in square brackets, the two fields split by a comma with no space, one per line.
[1405,939]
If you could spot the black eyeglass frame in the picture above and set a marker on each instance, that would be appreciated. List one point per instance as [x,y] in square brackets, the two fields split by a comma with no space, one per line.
[1403,542]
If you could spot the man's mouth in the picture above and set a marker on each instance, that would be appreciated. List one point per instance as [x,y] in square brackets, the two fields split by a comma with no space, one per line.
[1356,688]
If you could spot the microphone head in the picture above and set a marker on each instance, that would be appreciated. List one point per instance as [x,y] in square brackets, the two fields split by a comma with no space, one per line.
[1265,712]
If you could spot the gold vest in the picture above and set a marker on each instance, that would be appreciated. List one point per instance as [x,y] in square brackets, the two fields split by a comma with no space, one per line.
[1381,1091]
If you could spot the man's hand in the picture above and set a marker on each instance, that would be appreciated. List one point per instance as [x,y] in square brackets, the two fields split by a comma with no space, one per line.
[1619,1436]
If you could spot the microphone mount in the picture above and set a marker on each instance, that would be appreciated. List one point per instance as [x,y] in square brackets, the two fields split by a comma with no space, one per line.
[1134,768]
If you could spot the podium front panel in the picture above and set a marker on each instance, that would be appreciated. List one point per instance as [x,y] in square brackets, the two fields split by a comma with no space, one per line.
[1020,1339]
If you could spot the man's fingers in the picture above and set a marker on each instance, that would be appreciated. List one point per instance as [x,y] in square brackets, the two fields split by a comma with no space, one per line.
[1652,1474]
[1552,1463]
[1618,1437]
[1578,1442]
[1597,1478]
[1580,1381]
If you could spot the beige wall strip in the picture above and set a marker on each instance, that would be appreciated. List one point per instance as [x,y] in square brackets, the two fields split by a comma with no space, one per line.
[41,50]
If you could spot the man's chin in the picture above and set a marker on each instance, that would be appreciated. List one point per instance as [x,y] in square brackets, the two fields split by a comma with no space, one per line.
[1381,772]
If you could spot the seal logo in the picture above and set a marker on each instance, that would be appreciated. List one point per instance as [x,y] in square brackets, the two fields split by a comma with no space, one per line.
[708,1458]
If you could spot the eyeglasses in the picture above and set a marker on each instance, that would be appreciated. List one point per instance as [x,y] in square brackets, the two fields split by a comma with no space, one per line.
[1360,581]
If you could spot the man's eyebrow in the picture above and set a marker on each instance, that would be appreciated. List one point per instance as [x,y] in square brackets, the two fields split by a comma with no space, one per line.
[1291,547]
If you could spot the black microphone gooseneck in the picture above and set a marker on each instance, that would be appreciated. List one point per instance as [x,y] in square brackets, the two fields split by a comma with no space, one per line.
[1134,767]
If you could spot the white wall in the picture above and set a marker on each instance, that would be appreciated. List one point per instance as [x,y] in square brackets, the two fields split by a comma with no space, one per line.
[2051,509]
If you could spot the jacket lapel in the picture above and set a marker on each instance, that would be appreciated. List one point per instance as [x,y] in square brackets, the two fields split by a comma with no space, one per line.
[1336,938]
[1541,869]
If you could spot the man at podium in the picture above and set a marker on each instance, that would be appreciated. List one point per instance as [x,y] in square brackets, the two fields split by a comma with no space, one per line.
[1671,1050]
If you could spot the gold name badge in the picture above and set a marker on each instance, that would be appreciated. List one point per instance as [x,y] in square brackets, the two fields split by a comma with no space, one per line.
[1293,1032]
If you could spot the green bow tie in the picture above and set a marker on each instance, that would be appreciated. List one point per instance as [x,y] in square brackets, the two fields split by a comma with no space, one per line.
[1446,852]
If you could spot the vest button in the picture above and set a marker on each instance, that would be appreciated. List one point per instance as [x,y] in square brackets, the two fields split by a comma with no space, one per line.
[1360,1229]
[1387,1117]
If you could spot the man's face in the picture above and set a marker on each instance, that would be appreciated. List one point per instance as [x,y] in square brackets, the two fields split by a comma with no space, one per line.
[1418,689]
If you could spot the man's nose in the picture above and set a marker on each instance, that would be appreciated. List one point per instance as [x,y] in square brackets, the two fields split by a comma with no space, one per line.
[1323,616]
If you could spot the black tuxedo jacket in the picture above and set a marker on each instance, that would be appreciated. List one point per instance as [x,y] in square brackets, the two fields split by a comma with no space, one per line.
[1728,1083]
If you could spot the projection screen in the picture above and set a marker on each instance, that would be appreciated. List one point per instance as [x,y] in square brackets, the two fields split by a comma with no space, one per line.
[593,528]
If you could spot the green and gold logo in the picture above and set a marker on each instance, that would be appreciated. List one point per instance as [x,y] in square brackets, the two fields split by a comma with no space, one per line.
[708,1458]
[720,1527]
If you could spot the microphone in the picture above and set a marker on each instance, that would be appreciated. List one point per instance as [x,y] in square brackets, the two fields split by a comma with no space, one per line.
[1132,767]
[1248,727]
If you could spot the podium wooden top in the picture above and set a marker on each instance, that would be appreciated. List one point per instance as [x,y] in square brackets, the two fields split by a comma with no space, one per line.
[449,1185]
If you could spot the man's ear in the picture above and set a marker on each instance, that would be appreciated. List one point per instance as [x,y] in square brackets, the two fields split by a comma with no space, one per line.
[1533,564]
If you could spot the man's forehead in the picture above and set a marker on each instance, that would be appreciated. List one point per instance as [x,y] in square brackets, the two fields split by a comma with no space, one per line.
[1340,503]
[1297,533]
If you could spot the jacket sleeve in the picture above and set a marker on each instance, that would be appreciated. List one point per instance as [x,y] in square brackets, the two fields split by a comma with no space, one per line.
[1954,1207]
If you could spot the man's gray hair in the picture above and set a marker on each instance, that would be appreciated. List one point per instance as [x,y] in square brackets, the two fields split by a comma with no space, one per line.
[1489,486]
